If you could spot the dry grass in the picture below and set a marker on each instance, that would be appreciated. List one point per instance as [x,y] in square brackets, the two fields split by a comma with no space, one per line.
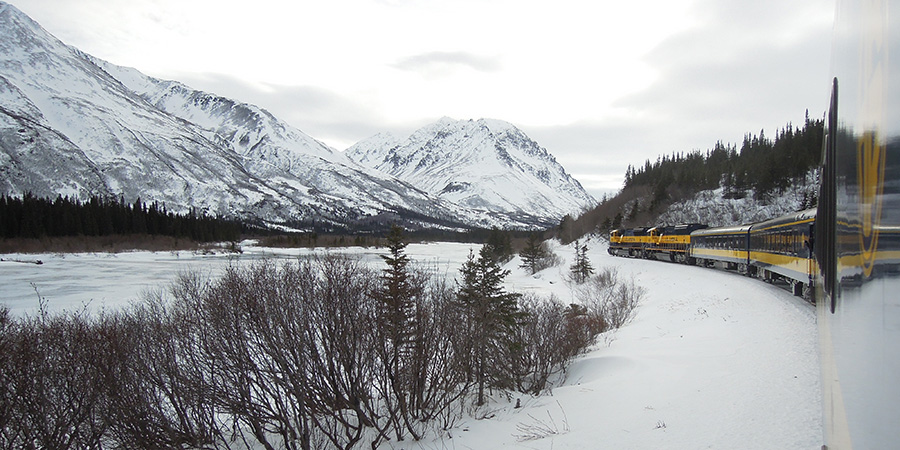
[108,244]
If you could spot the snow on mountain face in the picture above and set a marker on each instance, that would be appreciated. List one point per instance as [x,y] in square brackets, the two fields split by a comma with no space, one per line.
[274,150]
[81,132]
[488,164]
[75,125]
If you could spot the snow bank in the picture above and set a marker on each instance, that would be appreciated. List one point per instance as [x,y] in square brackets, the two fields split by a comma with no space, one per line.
[711,359]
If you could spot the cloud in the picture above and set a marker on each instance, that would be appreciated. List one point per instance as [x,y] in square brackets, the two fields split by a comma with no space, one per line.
[336,119]
[745,64]
[439,64]
[741,69]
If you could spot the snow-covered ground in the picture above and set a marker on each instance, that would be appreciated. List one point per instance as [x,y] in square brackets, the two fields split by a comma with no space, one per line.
[711,360]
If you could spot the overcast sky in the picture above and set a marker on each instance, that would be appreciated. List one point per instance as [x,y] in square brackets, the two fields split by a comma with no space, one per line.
[599,83]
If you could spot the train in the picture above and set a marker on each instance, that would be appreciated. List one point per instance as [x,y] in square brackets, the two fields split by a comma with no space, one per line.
[775,250]
[857,233]
[844,254]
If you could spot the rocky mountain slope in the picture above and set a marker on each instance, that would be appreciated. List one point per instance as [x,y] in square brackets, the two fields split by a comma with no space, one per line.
[711,207]
[484,164]
[71,124]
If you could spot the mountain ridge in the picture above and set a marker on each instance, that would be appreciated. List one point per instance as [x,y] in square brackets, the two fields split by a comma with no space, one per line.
[474,163]
[73,124]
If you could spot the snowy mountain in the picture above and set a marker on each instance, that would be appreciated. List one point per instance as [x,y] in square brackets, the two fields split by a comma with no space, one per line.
[483,164]
[71,128]
[296,163]
[74,125]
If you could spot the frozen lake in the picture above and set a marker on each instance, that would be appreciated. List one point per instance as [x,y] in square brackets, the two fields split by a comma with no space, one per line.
[111,280]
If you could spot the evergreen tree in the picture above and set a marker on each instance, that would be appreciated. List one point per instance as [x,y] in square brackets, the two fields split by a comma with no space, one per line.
[396,326]
[33,217]
[491,314]
[395,295]
[617,221]
[499,245]
[533,253]
[582,268]
[635,210]
[566,229]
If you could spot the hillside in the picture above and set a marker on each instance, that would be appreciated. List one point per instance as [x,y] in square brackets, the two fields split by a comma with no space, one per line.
[722,186]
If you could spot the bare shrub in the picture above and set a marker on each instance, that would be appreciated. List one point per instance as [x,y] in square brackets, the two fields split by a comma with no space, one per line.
[288,357]
[537,348]
[541,428]
[293,356]
[420,379]
[53,383]
[549,335]
[171,383]
[609,298]
[440,382]
[548,260]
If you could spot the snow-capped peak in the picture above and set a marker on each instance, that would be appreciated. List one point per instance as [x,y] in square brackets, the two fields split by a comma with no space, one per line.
[484,163]
[76,125]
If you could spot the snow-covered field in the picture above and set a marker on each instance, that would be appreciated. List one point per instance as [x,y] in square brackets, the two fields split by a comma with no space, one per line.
[711,360]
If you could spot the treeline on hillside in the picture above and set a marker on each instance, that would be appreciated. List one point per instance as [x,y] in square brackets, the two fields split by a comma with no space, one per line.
[763,166]
[504,241]
[33,217]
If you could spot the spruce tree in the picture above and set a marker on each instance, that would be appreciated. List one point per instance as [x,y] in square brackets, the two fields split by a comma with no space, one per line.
[395,294]
[533,253]
[396,325]
[490,311]
[582,268]
[499,244]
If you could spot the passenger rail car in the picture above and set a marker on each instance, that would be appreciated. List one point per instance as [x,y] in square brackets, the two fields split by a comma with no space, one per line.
[780,249]
[726,245]
[783,248]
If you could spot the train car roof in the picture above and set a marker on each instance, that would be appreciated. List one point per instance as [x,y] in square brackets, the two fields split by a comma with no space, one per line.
[785,220]
[682,228]
[688,228]
[729,230]
[640,231]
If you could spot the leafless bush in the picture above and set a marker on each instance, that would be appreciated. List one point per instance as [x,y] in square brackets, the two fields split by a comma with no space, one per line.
[110,244]
[549,335]
[289,357]
[440,381]
[427,381]
[610,298]
[270,356]
[536,350]
[54,378]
